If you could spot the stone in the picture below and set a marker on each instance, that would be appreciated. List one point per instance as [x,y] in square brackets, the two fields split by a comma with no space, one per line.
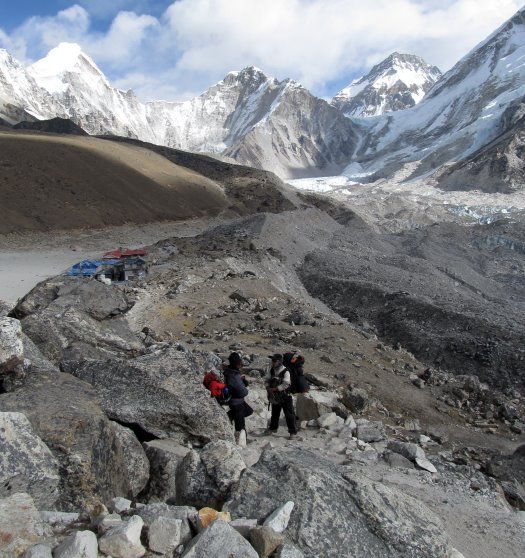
[131,454]
[21,526]
[288,550]
[207,516]
[123,541]
[356,400]
[105,522]
[161,392]
[164,457]
[164,535]
[220,540]
[81,544]
[412,425]
[326,420]
[279,519]
[26,463]
[371,431]
[407,449]
[119,505]
[39,551]
[265,540]
[350,423]
[204,479]
[333,499]
[244,526]
[397,460]
[150,512]
[424,463]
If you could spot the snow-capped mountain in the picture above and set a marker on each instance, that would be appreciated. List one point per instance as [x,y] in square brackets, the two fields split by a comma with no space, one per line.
[248,115]
[464,112]
[397,83]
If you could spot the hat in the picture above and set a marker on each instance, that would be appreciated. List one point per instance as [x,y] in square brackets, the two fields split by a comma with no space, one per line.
[235,359]
[276,357]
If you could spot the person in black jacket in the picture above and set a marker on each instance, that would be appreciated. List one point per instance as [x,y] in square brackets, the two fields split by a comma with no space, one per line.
[278,387]
[239,409]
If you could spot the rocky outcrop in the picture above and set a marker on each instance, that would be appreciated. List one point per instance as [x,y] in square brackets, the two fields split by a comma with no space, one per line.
[65,413]
[26,463]
[161,392]
[364,518]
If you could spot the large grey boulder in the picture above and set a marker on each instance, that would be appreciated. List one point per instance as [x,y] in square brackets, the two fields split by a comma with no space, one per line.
[21,526]
[220,541]
[65,413]
[336,513]
[186,514]
[26,463]
[204,479]
[130,452]
[164,457]
[162,392]
[407,449]
[11,346]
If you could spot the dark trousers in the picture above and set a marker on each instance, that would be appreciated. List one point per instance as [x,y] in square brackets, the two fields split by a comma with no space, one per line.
[238,413]
[289,414]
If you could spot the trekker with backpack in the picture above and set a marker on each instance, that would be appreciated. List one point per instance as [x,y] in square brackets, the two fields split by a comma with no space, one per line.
[278,388]
[237,386]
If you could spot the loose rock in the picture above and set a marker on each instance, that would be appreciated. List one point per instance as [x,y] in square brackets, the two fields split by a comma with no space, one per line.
[81,544]
[123,541]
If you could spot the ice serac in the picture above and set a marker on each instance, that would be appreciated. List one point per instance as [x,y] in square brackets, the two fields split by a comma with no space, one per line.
[397,83]
[463,112]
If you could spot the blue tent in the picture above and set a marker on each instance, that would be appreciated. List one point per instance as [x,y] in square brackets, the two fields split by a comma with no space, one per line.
[88,268]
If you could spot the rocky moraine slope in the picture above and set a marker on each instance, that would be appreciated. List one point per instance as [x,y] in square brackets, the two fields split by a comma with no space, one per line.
[410,436]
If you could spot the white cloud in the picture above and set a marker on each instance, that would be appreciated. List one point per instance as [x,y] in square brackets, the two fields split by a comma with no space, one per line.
[318,42]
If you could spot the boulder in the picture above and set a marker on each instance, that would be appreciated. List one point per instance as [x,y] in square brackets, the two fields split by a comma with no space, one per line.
[370,431]
[123,541]
[279,519]
[150,512]
[164,457]
[265,540]
[131,454]
[164,535]
[119,505]
[58,405]
[356,400]
[220,540]
[26,463]
[397,460]
[204,479]
[11,346]
[327,420]
[407,449]
[335,500]
[39,551]
[288,550]
[425,464]
[161,392]
[306,407]
[81,544]
[105,522]
[21,526]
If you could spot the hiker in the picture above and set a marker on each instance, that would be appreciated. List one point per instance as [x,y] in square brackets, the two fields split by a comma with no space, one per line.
[295,364]
[279,392]
[237,386]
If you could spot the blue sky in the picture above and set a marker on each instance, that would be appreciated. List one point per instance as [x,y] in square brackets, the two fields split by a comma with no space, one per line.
[175,49]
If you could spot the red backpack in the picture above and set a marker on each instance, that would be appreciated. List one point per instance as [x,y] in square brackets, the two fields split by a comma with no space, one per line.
[216,388]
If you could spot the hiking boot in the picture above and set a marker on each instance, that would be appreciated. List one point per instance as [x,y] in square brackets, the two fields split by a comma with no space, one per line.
[240,438]
[295,436]
[269,432]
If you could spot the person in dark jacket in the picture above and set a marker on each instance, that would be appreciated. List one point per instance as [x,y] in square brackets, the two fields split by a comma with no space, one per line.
[278,387]
[239,409]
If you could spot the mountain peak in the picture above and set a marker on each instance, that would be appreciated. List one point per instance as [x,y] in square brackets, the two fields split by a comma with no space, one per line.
[64,58]
[398,82]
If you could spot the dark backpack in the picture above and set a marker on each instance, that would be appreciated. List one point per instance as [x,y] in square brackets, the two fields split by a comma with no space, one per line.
[294,363]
